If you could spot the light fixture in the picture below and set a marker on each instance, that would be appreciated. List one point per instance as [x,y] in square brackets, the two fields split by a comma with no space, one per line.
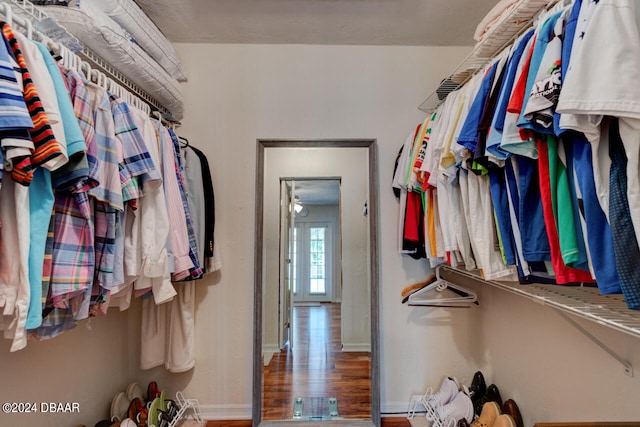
[297,207]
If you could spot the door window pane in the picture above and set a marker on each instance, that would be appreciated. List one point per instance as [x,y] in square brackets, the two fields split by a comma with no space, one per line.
[317,266]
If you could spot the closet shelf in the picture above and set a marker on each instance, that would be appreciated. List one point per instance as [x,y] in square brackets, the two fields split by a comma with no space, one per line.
[585,302]
[34,14]
[521,17]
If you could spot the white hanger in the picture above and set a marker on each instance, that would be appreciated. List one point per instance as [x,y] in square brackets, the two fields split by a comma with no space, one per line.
[85,68]
[431,295]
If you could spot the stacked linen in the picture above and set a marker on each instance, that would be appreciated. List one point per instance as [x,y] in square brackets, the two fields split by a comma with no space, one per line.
[500,25]
[106,38]
[544,168]
[145,33]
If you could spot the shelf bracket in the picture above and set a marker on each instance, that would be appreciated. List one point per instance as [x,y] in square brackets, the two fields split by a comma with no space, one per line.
[628,368]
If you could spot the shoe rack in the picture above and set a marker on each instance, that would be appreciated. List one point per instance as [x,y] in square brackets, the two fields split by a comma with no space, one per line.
[187,407]
[568,301]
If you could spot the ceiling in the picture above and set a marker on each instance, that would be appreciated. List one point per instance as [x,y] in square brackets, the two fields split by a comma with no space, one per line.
[328,22]
[340,22]
[318,192]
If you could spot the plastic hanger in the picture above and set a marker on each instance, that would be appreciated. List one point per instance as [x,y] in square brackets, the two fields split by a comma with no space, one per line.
[184,140]
[433,294]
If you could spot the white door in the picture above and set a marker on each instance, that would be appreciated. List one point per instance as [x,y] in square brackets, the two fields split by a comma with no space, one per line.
[285,306]
[313,249]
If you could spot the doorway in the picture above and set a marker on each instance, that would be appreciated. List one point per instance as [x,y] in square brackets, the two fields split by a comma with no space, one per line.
[310,248]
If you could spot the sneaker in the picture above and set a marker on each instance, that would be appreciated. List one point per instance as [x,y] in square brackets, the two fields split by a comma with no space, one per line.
[460,407]
[448,391]
[490,412]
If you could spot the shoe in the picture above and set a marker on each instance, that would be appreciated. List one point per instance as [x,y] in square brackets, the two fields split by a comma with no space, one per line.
[134,390]
[460,407]
[510,408]
[504,420]
[462,422]
[477,389]
[119,406]
[490,412]
[137,412]
[448,391]
[152,391]
[478,385]
[154,413]
[492,395]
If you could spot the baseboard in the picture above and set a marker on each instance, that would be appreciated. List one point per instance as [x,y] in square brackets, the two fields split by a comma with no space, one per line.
[225,412]
[243,412]
[356,347]
[394,409]
[268,351]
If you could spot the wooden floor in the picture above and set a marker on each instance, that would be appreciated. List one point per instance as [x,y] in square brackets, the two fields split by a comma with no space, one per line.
[316,367]
[386,422]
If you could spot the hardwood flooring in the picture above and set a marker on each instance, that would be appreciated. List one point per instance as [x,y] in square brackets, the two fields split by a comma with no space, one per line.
[386,422]
[316,367]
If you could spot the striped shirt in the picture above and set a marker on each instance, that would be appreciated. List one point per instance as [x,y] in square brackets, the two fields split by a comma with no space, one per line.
[46,147]
[137,168]
[13,110]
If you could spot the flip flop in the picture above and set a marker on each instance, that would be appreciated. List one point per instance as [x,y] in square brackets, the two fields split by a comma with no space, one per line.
[137,412]
[154,412]
[152,391]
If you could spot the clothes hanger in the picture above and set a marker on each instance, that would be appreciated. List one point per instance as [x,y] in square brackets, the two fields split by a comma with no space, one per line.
[407,291]
[431,295]
[185,140]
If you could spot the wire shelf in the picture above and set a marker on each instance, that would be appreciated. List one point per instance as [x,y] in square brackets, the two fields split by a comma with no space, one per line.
[519,19]
[31,12]
[585,302]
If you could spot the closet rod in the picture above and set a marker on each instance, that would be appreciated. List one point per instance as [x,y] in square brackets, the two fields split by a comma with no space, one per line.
[35,15]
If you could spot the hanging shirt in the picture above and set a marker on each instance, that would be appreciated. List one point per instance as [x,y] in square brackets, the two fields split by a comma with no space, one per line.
[211,255]
[494,140]
[178,243]
[44,147]
[512,140]
[42,80]
[153,219]
[196,271]
[469,134]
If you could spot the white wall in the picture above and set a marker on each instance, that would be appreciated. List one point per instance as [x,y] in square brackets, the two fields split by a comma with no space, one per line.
[240,93]
[87,365]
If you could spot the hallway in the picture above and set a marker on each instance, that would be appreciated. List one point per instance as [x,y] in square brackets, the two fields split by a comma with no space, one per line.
[317,368]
